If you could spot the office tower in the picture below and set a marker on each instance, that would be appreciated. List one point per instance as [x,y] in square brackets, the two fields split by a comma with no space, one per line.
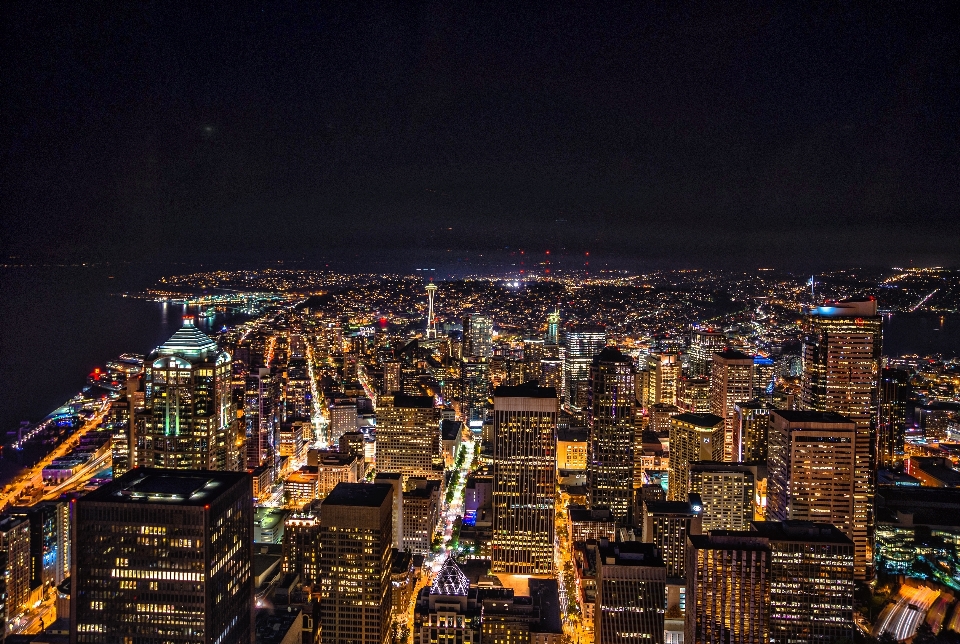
[524,478]
[356,534]
[694,395]
[49,542]
[751,422]
[610,420]
[728,589]
[731,381]
[408,435]
[664,371]
[15,546]
[420,513]
[474,374]
[667,525]
[811,582]
[121,419]
[703,344]
[552,335]
[352,443]
[693,437]
[726,492]
[551,374]
[894,394]
[811,468]
[189,420]
[258,417]
[164,555]
[841,370]
[581,343]
[631,581]
[660,415]
[392,376]
[477,336]
[4,573]
[343,419]
[395,480]
[764,377]
[301,546]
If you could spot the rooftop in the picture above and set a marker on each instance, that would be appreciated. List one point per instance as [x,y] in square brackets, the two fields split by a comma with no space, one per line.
[611,354]
[669,507]
[188,340]
[629,553]
[530,389]
[806,531]
[450,429]
[370,495]
[732,354]
[169,487]
[699,420]
[792,416]
[450,580]
[573,435]
[407,401]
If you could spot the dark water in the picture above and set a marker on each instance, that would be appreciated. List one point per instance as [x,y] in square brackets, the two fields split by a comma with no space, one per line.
[58,323]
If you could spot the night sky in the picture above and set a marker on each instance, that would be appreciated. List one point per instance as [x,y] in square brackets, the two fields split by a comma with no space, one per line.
[672,132]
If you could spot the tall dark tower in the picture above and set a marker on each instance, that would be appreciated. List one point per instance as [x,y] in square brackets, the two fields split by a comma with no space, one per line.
[841,373]
[610,420]
[894,394]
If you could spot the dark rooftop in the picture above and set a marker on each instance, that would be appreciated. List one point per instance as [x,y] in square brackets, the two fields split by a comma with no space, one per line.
[731,354]
[545,594]
[793,416]
[668,507]
[174,487]
[611,354]
[806,531]
[531,389]
[370,495]
[450,429]
[630,553]
[729,540]
[700,420]
[573,434]
[273,625]
[412,402]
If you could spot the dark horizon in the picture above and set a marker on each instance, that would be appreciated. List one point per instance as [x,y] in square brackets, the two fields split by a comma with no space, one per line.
[680,136]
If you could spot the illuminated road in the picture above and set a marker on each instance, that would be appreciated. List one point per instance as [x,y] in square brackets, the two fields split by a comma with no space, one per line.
[452,511]
[33,475]
[902,617]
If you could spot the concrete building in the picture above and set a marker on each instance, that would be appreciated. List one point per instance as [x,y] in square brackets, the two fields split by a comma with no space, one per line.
[667,525]
[631,581]
[408,435]
[726,492]
[421,510]
[731,382]
[693,437]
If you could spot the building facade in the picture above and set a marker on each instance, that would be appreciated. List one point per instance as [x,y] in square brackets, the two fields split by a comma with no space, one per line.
[693,437]
[408,435]
[731,382]
[631,583]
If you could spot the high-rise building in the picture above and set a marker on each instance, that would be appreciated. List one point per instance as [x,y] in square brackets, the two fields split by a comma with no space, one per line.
[667,525]
[395,480]
[631,582]
[841,373]
[752,420]
[356,534]
[552,336]
[726,492]
[664,370]
[703,344]
[609,410]
[343,419]
[524,475]
[475,376]
[811,582]
[581,343]
[301,546]
[731,382]
[894,395]
[728,589]
[811,468]
[164,555]
[477,336]
[15,546]
[419,514]
[258,417]
[408,435]
[693,437]
[189,420]
[694,395]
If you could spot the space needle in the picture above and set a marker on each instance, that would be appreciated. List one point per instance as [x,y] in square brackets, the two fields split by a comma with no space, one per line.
[431,321]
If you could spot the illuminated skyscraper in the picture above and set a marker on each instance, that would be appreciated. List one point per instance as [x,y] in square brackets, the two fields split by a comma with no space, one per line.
[477,336]
[728,589]
[668,525]
[15,555]
[841,373]
[524,478]
[581,344]
[693,437]
[610,421]
[894,394]
[631,583]
[408,435]
[664,370]
[301,546]
[356,534]
[189,421]
[731,382]
[726,492]
[258,417]
[811,582]
[553,328]
[164,555]
[752,420]
[703,344]
[811,468]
